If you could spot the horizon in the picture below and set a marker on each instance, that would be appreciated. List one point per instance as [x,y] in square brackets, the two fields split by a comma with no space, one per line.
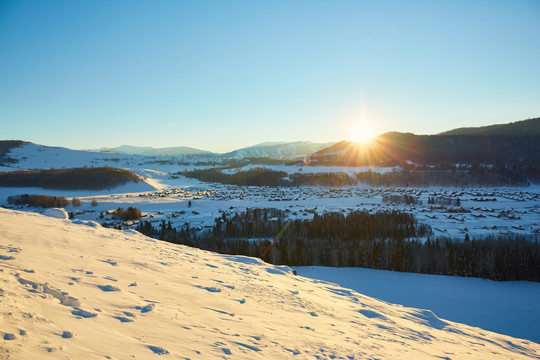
[224,76]
[264,143]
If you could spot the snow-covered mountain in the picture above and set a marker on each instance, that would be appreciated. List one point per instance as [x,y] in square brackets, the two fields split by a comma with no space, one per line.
[82,291]
[125,149]
[278,149]
[26,155]
[266,149]
[167,151]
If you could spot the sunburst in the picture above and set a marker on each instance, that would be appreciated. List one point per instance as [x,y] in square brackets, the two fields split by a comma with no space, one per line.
[361,132]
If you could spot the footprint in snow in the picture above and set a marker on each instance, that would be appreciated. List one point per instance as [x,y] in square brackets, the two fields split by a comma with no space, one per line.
[247,346]
[147,308]
[209,288]
[123,319]
[83,313]
[370,314]
[158,350]
[110,262]
[107,288]
[143,309]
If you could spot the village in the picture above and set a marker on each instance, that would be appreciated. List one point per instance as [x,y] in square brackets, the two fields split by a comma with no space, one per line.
[450,213]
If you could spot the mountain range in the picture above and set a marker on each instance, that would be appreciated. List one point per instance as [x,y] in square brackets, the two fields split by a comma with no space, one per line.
[279,149]
[150,151]
[266,149]
[513,144]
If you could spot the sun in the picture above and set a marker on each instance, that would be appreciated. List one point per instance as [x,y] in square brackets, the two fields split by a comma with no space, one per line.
[361,132]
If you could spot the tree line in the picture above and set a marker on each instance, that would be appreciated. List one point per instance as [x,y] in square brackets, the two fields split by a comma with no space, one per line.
[474,176]
[44,201]
[388,240]
[83,178]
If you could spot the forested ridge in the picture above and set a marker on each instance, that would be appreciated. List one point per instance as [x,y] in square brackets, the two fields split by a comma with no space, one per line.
[515,144]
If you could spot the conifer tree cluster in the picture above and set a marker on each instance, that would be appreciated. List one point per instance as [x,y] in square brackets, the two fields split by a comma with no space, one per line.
[388,240]
[130,213]
[88,178]
[44,201]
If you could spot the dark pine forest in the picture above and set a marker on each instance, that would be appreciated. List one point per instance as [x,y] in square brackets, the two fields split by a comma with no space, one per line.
[389,240]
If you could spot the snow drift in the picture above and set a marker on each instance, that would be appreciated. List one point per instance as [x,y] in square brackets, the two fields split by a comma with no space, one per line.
[71,290]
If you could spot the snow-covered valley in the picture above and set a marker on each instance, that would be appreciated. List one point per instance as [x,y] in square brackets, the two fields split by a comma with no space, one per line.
[165,196]
[118,294]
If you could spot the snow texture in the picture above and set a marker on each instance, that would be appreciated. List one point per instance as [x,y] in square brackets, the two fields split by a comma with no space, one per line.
[56,213]
[189,303]
[506,307]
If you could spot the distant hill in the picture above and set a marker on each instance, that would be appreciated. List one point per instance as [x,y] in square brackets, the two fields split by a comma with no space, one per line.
[177,151]
[509,145]
[168,151]
[278,149]
[126,149]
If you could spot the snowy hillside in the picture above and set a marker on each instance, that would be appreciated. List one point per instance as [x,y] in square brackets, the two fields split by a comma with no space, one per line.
[168,151]
[126,149]
[34,156]
[279,149]
[76,290]
[473,301]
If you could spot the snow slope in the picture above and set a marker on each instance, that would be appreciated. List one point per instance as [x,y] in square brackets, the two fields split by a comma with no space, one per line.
[507,307]
[278,149]
[76,290]
[32,156]
[169,151]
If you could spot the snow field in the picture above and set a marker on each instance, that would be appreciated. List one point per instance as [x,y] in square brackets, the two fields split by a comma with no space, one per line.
[506,307]
[71,290]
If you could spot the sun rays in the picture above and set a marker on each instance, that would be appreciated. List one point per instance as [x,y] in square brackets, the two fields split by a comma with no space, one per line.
[376,151]
[361,132]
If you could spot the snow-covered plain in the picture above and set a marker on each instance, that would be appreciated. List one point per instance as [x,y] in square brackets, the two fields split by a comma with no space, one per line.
[488,210]
[84,292]
[506,307]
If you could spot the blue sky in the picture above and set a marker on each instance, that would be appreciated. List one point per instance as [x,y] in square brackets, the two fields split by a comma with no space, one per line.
[221,75]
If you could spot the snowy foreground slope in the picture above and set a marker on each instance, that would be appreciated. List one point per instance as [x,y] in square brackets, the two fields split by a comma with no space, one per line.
[506,307]
[84,292]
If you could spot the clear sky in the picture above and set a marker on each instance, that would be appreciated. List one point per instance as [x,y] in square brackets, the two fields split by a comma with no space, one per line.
[220,75]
